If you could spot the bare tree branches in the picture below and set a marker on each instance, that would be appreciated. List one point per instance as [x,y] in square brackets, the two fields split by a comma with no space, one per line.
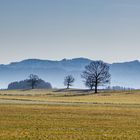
[33,80]
[68,81]
[96,74]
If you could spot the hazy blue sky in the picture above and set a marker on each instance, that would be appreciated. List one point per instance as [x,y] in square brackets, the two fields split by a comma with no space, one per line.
[56,29]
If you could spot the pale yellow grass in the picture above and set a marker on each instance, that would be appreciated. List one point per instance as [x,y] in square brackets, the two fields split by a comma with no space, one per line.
[129,97]
[69,115]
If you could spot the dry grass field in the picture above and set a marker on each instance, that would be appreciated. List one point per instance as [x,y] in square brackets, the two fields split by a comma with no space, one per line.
[69,115]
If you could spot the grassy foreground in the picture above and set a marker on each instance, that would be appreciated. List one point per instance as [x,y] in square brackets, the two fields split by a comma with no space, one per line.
[47,115]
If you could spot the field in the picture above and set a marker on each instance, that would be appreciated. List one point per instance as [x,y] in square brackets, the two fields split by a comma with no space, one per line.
[69,115]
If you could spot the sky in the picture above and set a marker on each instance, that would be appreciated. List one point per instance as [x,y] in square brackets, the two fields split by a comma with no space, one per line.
[107,30]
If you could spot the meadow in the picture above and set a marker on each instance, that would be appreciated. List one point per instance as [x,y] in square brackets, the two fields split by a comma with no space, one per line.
[69,115]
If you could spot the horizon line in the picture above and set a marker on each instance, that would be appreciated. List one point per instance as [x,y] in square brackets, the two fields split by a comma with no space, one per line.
[41,59]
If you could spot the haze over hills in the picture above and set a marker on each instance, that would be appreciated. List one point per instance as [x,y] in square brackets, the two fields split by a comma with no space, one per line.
[123,74]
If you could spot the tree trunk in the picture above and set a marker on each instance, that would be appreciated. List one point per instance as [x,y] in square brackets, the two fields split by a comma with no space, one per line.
[32,86]
[68,86]
[96,88]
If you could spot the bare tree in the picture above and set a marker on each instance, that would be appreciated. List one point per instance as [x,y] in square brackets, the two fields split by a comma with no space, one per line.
[96,74]
[68,81]
[89,82]
[33,80]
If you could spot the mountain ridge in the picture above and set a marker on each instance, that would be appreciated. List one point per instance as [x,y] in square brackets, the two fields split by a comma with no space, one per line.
[123,73]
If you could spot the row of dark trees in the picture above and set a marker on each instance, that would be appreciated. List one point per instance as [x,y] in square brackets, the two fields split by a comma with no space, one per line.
[95,74]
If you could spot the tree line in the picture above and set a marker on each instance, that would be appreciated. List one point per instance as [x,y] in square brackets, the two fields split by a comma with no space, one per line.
[95,74]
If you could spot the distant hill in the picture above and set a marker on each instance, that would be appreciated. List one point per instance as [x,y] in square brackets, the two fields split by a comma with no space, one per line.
[123,74]
[25,85]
